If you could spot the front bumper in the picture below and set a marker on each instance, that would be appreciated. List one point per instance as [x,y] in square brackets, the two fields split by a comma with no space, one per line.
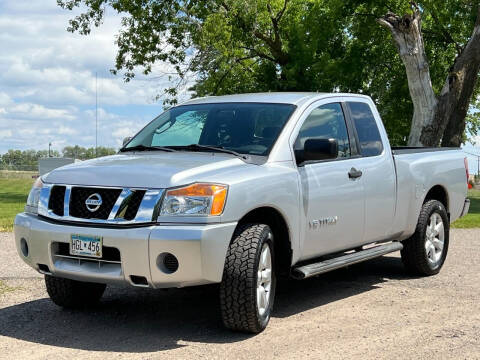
[200,250]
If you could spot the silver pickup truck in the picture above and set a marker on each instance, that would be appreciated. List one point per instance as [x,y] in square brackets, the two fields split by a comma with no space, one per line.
[241,190]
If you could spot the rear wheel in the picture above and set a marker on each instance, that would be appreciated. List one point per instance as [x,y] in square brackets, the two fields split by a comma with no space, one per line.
[73,294]
[425,252]
[247,290]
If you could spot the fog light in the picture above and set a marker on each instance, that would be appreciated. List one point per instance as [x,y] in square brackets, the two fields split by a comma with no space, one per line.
[167,263]
[24,247]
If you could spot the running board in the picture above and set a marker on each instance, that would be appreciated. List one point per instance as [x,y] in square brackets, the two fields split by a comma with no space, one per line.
[321,267]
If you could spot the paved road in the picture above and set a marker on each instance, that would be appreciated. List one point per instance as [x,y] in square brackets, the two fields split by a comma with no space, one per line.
[371,310]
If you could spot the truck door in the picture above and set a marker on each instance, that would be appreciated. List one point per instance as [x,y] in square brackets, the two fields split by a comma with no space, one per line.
[376,164]
[332,190]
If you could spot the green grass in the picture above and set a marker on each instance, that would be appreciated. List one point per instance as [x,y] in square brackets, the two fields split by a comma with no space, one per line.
[13,195]
[472,219]
[4,288]
[8,174]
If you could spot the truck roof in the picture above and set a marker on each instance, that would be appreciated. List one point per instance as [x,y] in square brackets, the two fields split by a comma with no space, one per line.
[295,98]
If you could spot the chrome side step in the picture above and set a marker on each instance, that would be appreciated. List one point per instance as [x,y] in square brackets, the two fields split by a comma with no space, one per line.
[305,271]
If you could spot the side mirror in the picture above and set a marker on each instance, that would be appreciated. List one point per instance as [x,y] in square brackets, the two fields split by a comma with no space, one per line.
[319,149]
[126,140]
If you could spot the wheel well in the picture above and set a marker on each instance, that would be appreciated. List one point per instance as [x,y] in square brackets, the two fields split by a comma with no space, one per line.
[439,193]
[282,244]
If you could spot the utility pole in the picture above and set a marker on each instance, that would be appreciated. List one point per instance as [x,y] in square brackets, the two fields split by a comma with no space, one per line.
[96,114]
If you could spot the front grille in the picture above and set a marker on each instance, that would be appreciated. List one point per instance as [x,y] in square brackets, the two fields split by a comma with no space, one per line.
[99,205]
[130,207]
[108,253]
[79,209]
[57,197]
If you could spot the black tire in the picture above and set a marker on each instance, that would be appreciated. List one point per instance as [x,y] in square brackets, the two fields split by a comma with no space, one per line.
[73,294]
[414,253]
[238,289]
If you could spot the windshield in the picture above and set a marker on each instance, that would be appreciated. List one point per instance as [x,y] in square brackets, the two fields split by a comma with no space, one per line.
[246,128]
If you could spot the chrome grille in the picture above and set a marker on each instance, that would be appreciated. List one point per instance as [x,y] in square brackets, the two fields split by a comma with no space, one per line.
[130,205]
[79,195]
[57,199]
[119,205]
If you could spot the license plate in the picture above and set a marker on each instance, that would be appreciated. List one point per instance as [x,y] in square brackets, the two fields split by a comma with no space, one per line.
[84,245]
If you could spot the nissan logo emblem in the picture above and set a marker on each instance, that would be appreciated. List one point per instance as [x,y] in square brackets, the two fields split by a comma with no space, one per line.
[93,202]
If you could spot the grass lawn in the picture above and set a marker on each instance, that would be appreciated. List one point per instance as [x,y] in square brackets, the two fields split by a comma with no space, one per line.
[472,219]
[13,196]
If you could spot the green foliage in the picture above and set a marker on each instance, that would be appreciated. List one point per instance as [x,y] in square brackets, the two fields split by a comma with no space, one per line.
[79,152]
[24,159]
[236,46]
[28,159]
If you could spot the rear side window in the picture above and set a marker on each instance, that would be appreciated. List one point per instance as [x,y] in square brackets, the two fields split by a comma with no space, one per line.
[367,129]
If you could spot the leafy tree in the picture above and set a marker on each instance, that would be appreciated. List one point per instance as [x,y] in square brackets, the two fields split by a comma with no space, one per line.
[26,158]
[439,115]
[232,46]
[79,152]
[29,158]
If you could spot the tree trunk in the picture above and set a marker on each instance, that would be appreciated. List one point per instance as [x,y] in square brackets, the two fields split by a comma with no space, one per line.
[407,35]
[465,72]
[439,118]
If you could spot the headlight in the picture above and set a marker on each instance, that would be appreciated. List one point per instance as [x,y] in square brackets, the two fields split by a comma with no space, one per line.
[34,197]
[194,200]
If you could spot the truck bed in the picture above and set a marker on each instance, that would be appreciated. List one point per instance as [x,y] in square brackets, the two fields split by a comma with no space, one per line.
[399,150]
[418,170]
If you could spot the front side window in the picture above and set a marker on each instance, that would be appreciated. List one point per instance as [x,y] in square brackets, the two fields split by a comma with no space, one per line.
[367,129]
[246,128]
[325,122]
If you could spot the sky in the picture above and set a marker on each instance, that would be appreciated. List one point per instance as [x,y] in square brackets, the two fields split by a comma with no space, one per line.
[48,87]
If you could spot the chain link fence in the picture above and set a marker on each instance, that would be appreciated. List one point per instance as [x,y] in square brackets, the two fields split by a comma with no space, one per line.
[13,167]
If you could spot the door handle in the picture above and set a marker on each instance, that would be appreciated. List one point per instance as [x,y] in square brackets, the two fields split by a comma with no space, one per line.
[354,173]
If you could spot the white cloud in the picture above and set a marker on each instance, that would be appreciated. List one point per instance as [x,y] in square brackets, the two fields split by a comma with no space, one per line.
[48,81]
[5,134]
[5,99]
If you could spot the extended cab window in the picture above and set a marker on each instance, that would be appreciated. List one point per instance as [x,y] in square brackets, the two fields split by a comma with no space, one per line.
[325,122]
[367,129]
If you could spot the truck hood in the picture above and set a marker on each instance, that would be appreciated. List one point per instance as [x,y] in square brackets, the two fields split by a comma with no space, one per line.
[146,169]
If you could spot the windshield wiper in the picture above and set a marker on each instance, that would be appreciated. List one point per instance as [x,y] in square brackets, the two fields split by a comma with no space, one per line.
[146,148]
[220,149]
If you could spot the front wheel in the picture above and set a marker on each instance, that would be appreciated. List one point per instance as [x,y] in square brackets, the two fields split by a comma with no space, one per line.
[247,290]
[425,252]
[73,294]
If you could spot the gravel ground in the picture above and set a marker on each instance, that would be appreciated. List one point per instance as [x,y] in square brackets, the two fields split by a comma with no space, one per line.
[370,310]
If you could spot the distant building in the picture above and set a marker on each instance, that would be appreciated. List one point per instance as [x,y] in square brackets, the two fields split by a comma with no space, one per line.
[46,165]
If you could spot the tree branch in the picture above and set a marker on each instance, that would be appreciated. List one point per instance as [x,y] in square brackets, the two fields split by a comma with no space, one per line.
[446,35]
[259,54]
[281,12]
